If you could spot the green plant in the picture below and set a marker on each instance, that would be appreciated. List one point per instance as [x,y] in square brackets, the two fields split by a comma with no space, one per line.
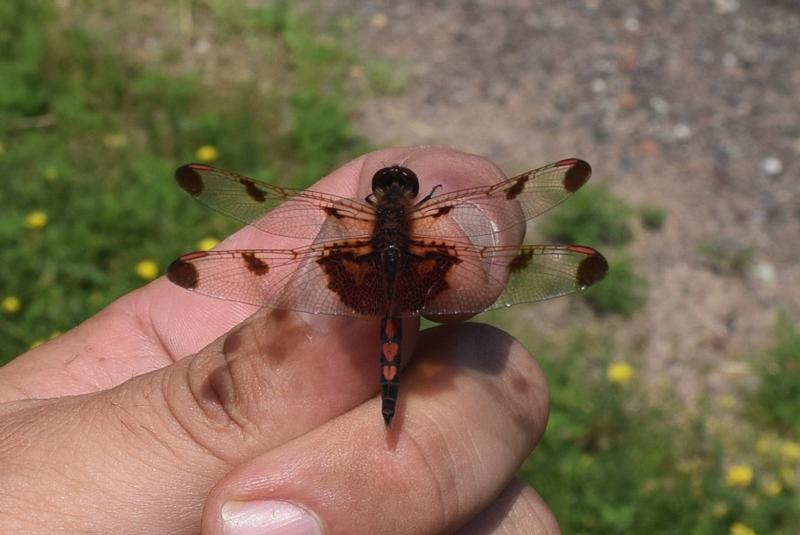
[652,217]
[726,256]
[385,78]
[776,402]
[593,216]
[92,130]
[622,292]
[619,456]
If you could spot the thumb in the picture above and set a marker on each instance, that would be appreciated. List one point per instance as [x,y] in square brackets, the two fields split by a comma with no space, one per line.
[142,456]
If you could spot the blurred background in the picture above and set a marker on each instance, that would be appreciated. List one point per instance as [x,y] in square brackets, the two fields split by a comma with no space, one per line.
[675,383]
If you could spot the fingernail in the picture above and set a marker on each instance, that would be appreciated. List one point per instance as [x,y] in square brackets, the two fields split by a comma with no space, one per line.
[259,517]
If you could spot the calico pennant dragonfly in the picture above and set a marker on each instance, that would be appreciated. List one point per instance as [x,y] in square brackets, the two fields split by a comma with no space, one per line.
[389,255]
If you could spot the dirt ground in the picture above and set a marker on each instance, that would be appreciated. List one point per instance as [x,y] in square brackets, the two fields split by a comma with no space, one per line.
[689,105]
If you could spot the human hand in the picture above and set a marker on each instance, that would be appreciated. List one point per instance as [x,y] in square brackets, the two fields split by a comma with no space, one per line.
[109,429]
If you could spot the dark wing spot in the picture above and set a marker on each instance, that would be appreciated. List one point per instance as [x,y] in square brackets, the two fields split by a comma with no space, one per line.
[331,211]
[183,274]
[577,175]
[592,269]
[444,210]
[255,264]
[518,186]
[520,261]
[189,179]
[252,190]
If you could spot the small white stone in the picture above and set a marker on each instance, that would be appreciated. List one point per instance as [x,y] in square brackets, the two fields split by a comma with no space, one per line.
[599,85]
[772,165]
[660,105]
[764,272]
[202,46]
[631,24]
[730,60]
[681,131]
[379,21]
[726,6]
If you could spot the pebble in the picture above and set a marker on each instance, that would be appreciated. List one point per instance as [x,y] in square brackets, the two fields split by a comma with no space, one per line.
[772,165]
[631,24]
[660,105]
[379,21]
[681,131]
[729,60]
[724,7]
[764,272]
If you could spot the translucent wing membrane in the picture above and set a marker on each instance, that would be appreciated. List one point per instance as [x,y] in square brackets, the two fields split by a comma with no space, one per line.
[347,279]
[343,272]
[489,209]
[292,279]
[495,277]
[294,213]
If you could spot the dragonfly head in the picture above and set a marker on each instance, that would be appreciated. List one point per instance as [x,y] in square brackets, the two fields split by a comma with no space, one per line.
[398,177]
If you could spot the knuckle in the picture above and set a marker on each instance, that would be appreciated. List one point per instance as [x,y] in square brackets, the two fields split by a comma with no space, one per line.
[219,401]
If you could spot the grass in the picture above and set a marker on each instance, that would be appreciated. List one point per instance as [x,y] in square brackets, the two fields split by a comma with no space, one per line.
[91,132]
[726,256]
[776,402]
[622,292]
[620,456]
[595,216]
[653,217]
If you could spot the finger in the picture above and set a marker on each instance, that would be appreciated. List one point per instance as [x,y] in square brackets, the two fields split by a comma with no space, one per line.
[161,322]
[158,442]
[476,404]
[518,510]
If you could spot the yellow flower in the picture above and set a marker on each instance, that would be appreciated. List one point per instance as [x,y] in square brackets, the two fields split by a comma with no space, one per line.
[737,528]
[10,304]
[147,269]
[35,344]
[50,173]
[726,401]
[35,220]
[619,372]
[207,243]
[739,475]
[719,509]
[790,451]
[763,445]
[207,153]
[115,141]
[772,487]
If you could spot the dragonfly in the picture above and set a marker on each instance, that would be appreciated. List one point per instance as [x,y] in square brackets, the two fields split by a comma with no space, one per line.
[390,255]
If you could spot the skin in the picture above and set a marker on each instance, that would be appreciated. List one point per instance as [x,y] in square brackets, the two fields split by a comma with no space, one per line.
[169,412]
